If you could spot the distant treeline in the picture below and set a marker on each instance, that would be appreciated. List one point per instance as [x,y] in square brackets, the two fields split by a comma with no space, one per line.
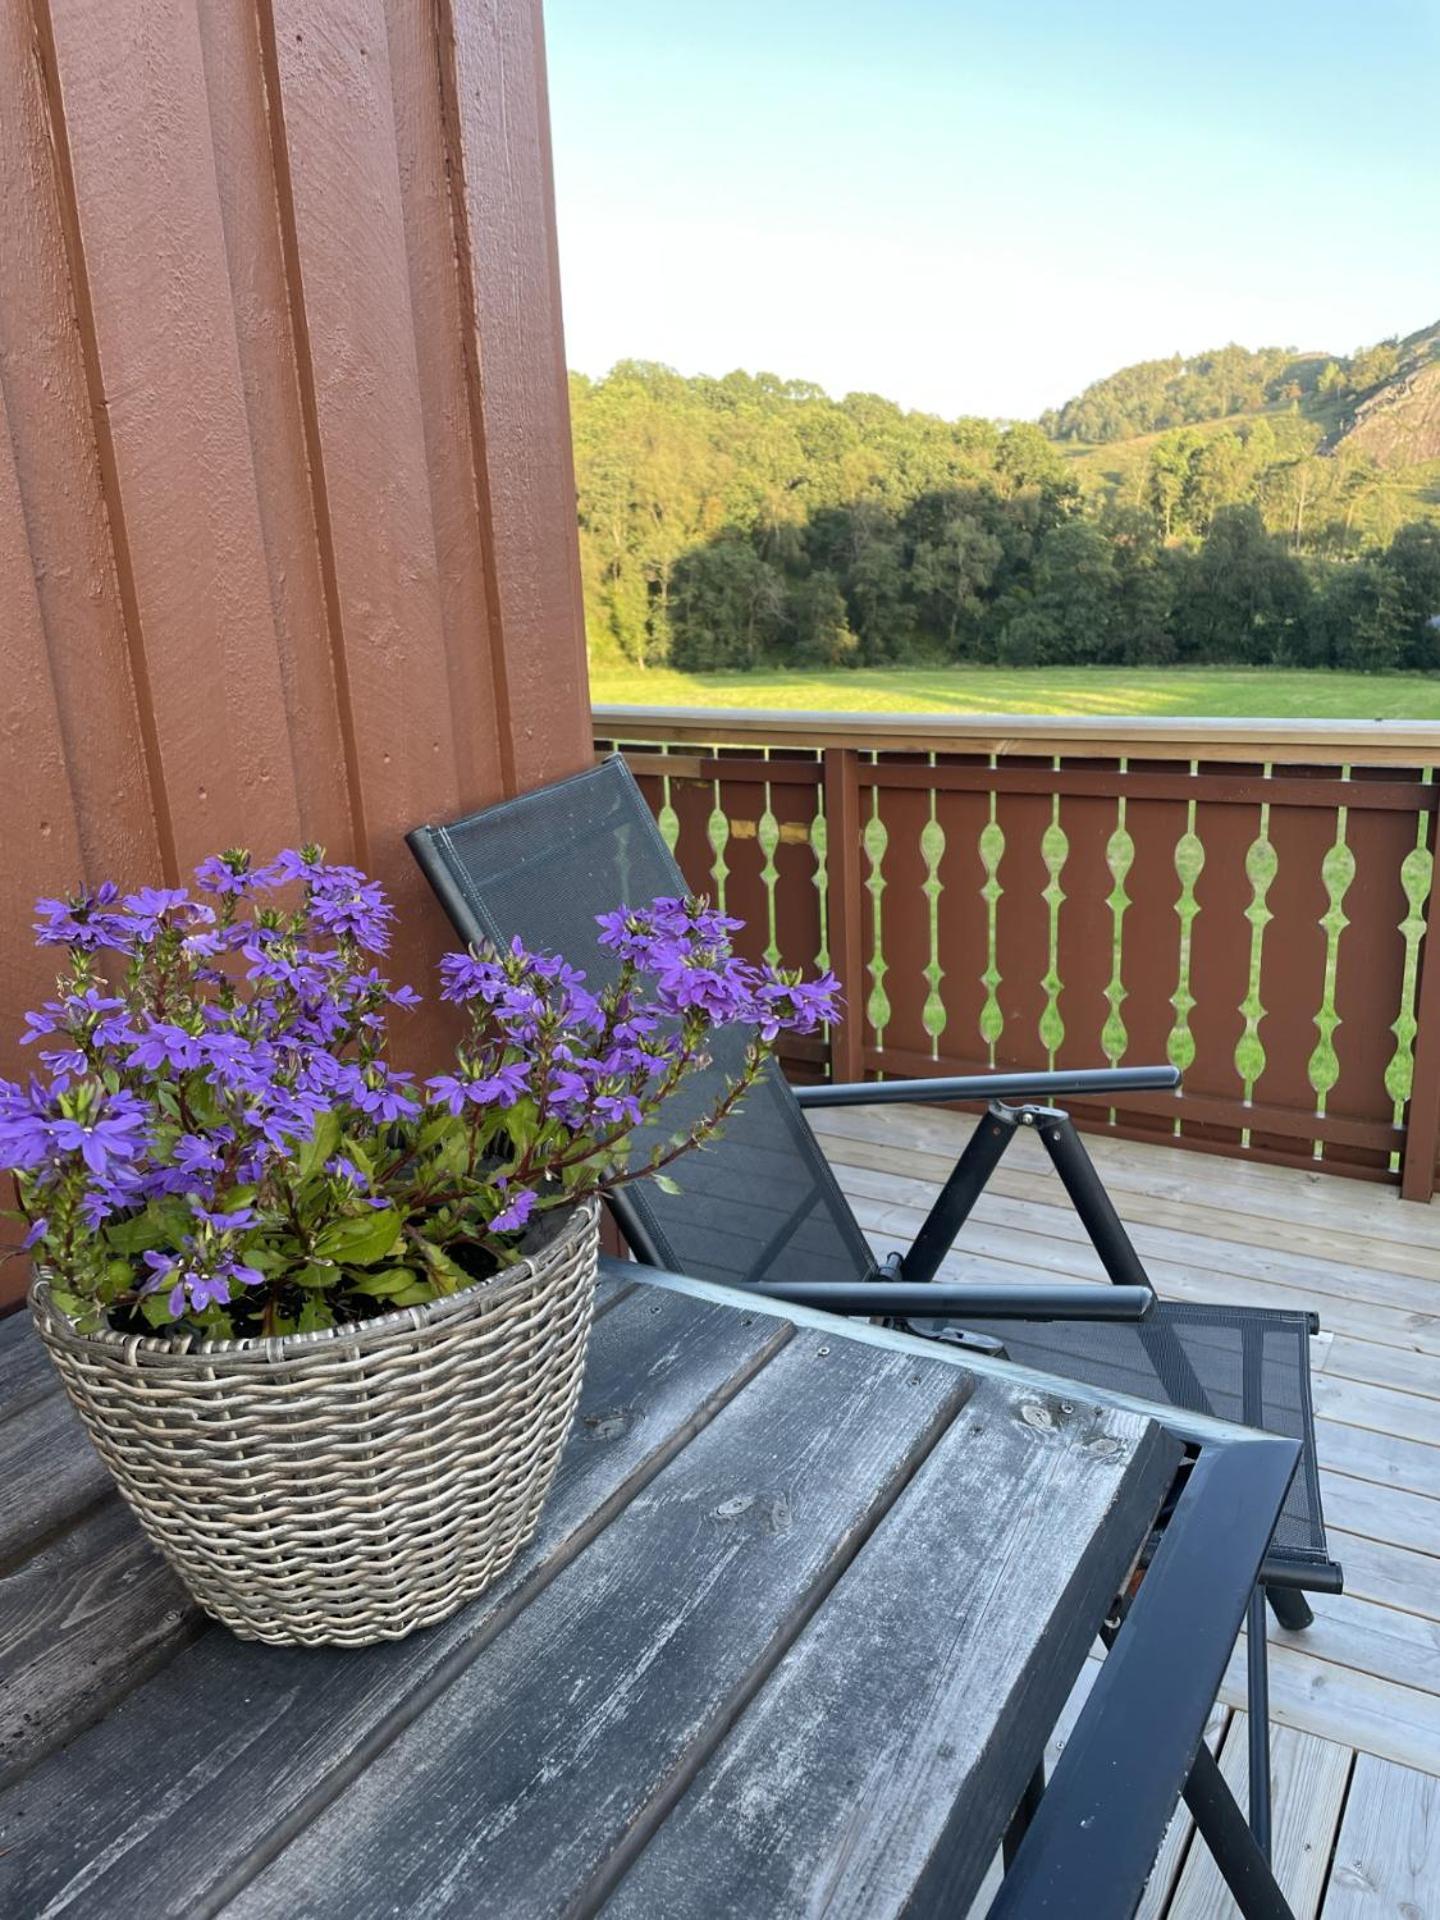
[746,521]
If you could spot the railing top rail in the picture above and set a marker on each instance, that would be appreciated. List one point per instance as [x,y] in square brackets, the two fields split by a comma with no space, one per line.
[1411,743]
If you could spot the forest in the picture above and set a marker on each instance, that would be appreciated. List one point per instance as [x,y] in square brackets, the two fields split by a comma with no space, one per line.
[747,521]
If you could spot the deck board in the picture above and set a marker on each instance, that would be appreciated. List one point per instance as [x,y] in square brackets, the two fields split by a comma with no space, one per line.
[1356,1700]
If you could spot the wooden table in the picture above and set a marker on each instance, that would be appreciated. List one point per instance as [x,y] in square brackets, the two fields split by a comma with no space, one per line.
[801,1612]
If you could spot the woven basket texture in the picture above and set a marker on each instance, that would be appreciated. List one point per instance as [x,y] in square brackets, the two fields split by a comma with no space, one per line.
[339,1488]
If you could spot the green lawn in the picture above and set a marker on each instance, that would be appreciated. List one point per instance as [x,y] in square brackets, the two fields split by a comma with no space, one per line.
[1222,692]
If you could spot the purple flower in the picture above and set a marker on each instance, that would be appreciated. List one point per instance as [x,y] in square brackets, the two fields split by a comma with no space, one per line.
[38,1229]
[381,1095]
[467,976]
[344,902]
[115,1131]
[516,1212]
[87,922]
[147,909]
[192,1153]
[230,874]
[162,1045]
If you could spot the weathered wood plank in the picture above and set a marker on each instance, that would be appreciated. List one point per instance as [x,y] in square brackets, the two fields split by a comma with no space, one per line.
[241,1739]
[1312,1258]
[1240,1187]
[600,1699]
[1026,1241]
[873,1771]
[1374,1638]
[26,1374]
[1382,1513]
[1382,1366]
[1387,1861]
[1376,1570]
[1370,1453]
[80,1622]
[50,1473]
[1342,1704]
[1307,1779]
[1410,1416]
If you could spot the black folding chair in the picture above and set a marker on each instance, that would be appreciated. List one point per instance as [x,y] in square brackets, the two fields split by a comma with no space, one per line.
[761,1207]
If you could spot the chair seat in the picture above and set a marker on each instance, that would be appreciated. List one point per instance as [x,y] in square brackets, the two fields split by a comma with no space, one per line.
[1247,1365]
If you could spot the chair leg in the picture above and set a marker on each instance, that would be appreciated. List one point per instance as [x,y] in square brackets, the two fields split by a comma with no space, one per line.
[1087,1195]
[981,1156]
[1222,1827]
[1258,1702]
[1290,1608]
[1023,1814]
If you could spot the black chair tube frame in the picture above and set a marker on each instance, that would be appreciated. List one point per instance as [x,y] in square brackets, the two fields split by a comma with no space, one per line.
[1089,1844]
[1081,1083]
[898,1299]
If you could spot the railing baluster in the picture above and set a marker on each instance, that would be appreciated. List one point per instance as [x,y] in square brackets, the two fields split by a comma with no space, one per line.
[1422,1133]
[843,896]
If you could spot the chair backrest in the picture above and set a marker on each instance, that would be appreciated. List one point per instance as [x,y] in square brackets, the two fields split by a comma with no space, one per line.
[760,1202]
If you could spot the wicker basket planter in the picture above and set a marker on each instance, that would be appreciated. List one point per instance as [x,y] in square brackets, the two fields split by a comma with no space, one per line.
[345,1487]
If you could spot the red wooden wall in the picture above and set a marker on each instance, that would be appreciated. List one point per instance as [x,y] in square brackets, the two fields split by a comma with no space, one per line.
[287,526]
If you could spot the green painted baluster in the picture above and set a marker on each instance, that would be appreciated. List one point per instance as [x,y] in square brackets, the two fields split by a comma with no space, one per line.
[767,832]
[1119,857]
[1417,874]
[1189,863]
[1261,864]
[1337,872]
[667,819]
[992,852]
[932,852]
[718,833]
[1054,851]
[875,839]
[820,846]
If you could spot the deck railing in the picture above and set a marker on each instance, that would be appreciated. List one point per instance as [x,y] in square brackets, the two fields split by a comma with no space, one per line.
[1251,900]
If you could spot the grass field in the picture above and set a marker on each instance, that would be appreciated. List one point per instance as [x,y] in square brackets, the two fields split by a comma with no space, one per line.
[1241,693]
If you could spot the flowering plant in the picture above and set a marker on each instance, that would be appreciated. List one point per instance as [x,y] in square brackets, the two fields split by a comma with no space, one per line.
[220,1143]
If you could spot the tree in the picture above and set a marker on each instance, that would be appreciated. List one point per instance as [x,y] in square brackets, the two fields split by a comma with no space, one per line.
[1246,598]
[728,608]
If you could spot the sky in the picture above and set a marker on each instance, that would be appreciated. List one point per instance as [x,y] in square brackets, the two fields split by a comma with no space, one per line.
[982,208]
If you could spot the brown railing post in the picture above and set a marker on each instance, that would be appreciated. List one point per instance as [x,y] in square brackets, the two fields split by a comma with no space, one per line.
[843,897]
[1422,1115]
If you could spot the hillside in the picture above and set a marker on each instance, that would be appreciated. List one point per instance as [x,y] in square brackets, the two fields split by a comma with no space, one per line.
[1381,403]
[1397,424]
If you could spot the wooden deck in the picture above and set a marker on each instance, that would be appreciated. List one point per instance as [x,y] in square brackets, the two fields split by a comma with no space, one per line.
[1356,1699]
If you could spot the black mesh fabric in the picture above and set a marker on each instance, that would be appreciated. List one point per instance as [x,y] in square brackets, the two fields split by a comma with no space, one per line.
[761,1203]
[1247,1365]
[758,1203]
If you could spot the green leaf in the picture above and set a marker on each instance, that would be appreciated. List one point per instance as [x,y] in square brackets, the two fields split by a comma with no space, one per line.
[390,1280]
[450,1276]
[417,1296]
[315,1316]
[665,1183]
[320,1147]
[361,1239]
[156,1309]
[146,1230]
[316,1275]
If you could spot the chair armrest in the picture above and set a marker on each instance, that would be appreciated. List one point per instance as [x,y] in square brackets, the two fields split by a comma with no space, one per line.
[944,1300]
[994,1086]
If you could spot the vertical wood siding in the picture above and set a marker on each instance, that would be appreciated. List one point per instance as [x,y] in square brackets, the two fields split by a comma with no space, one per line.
[287,523]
